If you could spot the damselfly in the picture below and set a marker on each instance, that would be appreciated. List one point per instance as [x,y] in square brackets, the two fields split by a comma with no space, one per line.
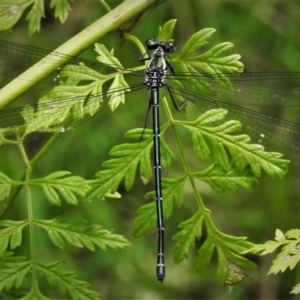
[61,111]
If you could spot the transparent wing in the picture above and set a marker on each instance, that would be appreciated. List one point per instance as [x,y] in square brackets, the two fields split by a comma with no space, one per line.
[255,99]
[57,116]
[252,89]
[71,101]
[17,58]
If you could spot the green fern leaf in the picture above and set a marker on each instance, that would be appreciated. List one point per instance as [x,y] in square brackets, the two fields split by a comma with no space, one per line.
[13,271]
[11,234]
[74,107]
[117,97]
[13,294]
[59,185]
[222,266]
[236,244]
[107,57]
[10,13]
[74,74]
[166,31]
[291,234]
[229,248]
[5,186]
[79,234]
[66,282]
[165,153]
[172,194]
[123,167]
[285,260]
[289,255]
[34,17]
[221,144]
[221,180]
[204,255]
[296,289]
[62,8]
[211,61]
[266,248]
[196,42]
[185,238]
[35,294]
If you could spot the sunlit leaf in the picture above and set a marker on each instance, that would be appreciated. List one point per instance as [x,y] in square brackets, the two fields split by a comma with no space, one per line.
[296,289]
[195,42]
[217,141]
[165,32]
[34,16]
[62,8]
[59,185]
[10,13]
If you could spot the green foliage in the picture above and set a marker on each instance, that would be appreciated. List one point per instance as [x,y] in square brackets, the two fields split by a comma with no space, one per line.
[66,281]
[13,271]
[11,12]
[80,235]
[57,186]
[211,61]
[289,255]
[221,157]
[67,187]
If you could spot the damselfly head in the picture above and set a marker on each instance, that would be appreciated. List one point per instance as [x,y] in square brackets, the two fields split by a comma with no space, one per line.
[152,44]
[170,47]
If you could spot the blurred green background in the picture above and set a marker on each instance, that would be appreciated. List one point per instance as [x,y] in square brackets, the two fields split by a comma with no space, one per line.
[266,34]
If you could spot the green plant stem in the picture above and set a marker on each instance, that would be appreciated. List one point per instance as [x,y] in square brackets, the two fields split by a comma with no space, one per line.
[105,5]
[111,21]
[184,160]
[136,41]
[206,212]
[44,149]
[5,206]
[29,212]
[31,233]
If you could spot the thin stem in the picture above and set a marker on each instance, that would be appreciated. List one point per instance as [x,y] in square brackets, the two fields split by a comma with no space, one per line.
[206,212]
[136,41]
[4,208]
[29,211]
[184,160]
[45,149]
[105,5]
[31,233]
